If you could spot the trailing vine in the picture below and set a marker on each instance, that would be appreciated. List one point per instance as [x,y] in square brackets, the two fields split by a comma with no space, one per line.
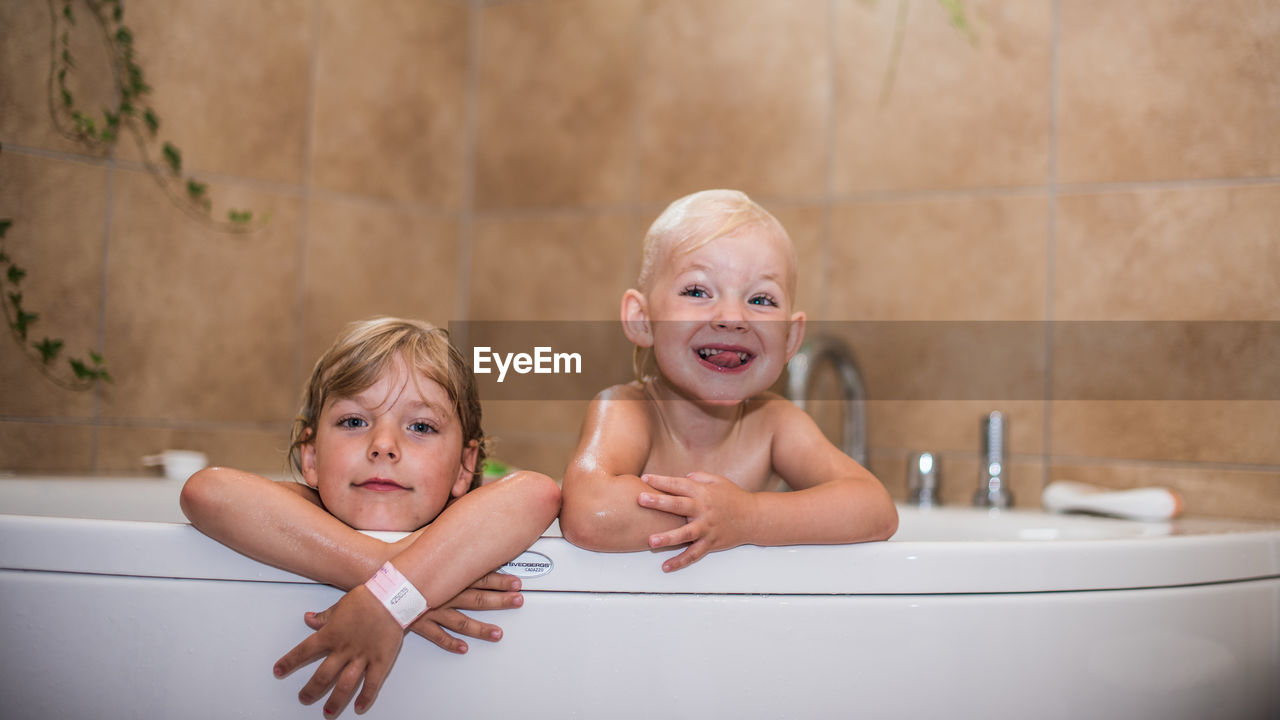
[101,131]
[131,112]
[78,373]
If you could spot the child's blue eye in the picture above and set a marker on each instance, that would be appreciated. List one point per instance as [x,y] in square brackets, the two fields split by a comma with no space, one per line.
[763,300]
[695,291]
[351,422]
[422,427]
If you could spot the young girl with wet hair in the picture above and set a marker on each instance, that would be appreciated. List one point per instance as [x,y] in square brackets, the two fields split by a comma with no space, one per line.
[388,438]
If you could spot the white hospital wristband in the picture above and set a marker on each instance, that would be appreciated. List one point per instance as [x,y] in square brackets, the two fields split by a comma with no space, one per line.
[397,594]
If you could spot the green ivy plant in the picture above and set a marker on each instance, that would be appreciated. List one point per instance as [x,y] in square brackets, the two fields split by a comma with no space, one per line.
[78,373]
[131,113]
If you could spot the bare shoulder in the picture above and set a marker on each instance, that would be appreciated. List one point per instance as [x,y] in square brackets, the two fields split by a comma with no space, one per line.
[617,431]
[621,403]
[626,391]
[779,414]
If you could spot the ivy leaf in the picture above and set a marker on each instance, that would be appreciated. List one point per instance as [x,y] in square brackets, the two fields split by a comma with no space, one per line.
[81,370]
[24,321]
[66,13]
[4,227]
[955,11]
[151,120]
[16,274]
[49,349]
[173,158]
[240,217]
[124,37]
[196,190]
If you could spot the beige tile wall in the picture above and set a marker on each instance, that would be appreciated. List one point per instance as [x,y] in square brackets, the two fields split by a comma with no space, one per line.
[1066,160]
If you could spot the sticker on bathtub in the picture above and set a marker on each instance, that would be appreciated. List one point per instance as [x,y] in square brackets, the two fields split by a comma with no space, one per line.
[528,564]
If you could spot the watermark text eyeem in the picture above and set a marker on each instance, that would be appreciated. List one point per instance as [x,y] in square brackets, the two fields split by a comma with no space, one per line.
[543,361]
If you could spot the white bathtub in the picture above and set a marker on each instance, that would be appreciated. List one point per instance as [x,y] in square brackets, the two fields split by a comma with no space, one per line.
[113,607]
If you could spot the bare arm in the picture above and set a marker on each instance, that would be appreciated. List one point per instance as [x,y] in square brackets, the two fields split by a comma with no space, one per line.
[359,639]
[602,481]
[280,524]
[834,499]
[479,532]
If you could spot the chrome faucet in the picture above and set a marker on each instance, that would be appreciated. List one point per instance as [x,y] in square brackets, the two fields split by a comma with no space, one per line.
[801,376]
[993,485]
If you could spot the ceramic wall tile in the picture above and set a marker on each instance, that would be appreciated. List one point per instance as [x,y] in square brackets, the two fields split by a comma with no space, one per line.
[733,93]
[955,258]
[366,259]
[27,447]
[256,449]
[390,103]
[1168,89]
[200,324]
[228,82]
[1203,253]
[555,104]
[559,267]
[924,104]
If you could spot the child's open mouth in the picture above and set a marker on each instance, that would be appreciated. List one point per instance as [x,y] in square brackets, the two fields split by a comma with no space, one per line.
[380,485]
[724,358]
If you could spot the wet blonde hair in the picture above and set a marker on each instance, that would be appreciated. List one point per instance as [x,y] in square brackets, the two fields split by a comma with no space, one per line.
[691,222]
[364,351]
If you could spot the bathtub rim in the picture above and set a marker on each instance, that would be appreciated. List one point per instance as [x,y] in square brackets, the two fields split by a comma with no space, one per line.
[177,550]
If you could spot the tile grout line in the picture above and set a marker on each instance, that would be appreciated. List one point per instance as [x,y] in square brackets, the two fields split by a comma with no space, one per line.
[1051,225]
[467,200]
[304,220]
[108,218]
[828,180]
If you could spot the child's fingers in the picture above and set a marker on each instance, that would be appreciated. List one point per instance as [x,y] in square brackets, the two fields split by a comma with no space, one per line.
[344,688]
[301,654]
[496,581]
[463,625]
[674,504]
[321,680]
[473,599]
[374,676]
[691,555]
[316,620]
[432,631]
[668,484]
[687,533]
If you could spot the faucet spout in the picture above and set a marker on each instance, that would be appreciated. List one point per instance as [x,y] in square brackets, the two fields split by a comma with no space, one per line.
[993,486]
[801,379]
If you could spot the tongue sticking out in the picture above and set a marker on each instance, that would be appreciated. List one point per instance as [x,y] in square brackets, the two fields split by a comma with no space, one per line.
[723,358]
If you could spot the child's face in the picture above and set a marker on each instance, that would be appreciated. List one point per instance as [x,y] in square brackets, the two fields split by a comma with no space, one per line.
[720,316]
[389,457]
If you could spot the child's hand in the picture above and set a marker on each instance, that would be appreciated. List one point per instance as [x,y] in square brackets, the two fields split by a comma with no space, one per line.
[361,640]
[720,514]
[495,591]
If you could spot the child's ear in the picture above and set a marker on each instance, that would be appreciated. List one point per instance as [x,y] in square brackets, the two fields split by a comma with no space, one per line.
[307,459]
[467,469]
[635,318]
[795,334]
